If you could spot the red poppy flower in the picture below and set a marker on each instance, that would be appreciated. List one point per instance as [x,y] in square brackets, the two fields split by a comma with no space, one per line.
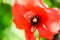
[33,17]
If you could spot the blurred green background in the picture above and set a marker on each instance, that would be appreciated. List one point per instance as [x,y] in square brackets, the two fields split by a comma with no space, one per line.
[8,31]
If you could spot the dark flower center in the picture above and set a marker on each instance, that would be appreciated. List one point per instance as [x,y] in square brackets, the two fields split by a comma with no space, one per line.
[57,36]
[35,20]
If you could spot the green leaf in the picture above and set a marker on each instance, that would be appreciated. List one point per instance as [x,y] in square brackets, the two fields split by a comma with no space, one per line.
[5,16]
[52,3]
[48,2]
[0,1]
[55,3]
[42,38]
[36,33]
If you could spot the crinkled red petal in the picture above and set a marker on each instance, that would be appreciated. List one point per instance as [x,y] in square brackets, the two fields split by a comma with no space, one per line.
[18,12]
[39,12]
[21,22]
[53,22]
[45,32]
[29,35]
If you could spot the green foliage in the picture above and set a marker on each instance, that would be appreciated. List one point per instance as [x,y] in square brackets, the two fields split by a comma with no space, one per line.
[48,2]
[5,18]
[42,38]
[53,3]
[36,33]
[0,1]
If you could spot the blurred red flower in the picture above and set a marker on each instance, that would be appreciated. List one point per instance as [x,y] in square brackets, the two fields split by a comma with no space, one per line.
[32,17]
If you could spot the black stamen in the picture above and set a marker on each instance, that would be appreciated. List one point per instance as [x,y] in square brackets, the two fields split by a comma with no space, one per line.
[35,20]
[57,36]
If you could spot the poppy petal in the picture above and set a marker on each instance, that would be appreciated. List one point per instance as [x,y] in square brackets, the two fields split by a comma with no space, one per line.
[53,22]
[29,35]
[39,12]
[18,12]
[45,32]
